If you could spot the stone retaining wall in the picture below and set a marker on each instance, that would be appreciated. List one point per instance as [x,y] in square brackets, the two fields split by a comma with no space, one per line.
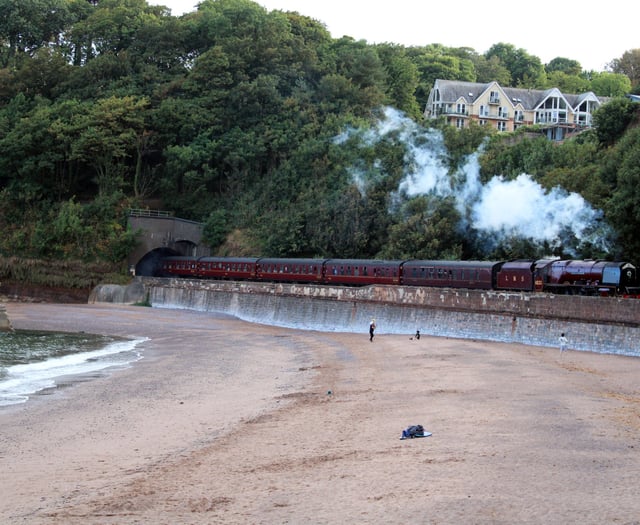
[592,323]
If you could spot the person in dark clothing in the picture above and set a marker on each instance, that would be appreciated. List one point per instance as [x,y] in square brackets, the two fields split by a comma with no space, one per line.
[372,329]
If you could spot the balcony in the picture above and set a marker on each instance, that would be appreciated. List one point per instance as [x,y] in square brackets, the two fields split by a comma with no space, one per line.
[487,114]
[452,111]
[551,120]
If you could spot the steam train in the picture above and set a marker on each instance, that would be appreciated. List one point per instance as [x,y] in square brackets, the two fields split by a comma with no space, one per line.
[575,277]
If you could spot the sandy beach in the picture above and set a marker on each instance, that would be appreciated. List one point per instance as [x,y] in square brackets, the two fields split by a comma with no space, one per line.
[225,422]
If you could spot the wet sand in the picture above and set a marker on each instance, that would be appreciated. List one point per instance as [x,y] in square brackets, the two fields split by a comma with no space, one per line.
[228,422]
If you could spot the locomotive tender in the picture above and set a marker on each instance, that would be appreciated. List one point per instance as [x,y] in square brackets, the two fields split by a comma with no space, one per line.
[575,277]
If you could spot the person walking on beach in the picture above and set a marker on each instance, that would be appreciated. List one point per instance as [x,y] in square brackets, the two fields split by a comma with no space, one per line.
[372,329]
[563,342]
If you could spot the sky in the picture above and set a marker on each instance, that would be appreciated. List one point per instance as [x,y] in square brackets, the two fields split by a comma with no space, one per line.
[592,34]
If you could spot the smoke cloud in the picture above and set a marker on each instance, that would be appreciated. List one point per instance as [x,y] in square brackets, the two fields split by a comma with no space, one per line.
[497,211]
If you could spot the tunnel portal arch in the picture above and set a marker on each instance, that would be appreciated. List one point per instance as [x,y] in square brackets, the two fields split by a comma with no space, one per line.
[162,235]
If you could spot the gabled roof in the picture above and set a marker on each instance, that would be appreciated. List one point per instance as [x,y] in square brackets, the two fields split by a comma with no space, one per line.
[452,90]
[576,100]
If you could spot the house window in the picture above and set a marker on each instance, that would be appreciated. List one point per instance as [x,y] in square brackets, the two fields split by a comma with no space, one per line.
[461,109]
[502,126]
[459,123]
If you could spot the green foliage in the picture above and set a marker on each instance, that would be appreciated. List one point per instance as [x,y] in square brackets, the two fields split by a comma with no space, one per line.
[526,70]
[564,65]
[622,209]
[216,228]
[629,65]
[612,119]
[568,83]
[532,156]
[608,84]
[230,115]
[425,228]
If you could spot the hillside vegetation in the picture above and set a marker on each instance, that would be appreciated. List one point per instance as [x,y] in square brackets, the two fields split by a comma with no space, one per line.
[287,142]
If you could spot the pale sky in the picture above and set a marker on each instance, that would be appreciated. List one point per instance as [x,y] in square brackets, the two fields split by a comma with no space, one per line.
[592,34]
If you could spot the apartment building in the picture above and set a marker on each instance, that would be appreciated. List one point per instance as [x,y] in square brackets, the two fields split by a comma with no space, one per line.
[506,108]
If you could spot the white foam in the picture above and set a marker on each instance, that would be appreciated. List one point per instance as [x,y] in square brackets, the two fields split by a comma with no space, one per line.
[24,380]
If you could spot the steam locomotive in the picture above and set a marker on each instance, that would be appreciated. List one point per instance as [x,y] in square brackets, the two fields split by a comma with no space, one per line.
[575,277]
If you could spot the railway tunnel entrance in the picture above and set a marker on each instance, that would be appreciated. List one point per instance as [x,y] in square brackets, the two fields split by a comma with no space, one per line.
[162,235]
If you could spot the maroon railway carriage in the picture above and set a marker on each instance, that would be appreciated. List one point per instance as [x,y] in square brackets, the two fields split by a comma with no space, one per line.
[232,268]
[179,266]
[452,274]
[360,272]
[290,270]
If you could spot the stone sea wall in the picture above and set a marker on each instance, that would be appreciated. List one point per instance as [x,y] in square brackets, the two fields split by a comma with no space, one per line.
[607,325]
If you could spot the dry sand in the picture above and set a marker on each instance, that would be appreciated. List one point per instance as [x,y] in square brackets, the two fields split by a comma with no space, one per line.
[227,422]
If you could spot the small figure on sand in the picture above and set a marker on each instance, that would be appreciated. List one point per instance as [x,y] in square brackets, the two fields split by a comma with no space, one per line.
[372,329]
[563,342]
[417,334]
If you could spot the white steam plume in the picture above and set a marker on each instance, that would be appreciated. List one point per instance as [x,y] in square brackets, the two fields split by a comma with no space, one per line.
[499,210]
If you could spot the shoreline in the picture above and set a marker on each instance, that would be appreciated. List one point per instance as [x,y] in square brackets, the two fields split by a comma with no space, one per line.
[227,422]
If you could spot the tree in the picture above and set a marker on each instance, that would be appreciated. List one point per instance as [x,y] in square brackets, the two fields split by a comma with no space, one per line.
[216,228]
[613,118]
[109,133]
[564,65]
[607,84]
[568,83]
[113,26]
[491,69]
[361,65]
[526,70]
[27,25]
[401,79]
[629,64]
[425,228]
[623,209]
[42,73]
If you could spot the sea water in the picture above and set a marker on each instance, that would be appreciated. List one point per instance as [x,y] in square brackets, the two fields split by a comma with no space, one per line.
[34,361]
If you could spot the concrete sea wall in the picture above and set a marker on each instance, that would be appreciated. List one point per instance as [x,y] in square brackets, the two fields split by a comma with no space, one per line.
[607,325]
